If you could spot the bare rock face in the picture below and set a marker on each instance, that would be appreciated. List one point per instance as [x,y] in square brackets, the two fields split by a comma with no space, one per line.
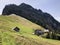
[38,32]
[35,15]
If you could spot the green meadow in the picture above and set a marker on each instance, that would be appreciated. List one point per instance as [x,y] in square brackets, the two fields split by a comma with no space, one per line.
[25,36]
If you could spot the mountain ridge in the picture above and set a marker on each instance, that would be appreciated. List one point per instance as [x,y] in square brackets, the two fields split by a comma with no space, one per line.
[37,16]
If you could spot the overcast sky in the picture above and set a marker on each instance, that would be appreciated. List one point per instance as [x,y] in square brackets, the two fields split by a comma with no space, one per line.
[50,6]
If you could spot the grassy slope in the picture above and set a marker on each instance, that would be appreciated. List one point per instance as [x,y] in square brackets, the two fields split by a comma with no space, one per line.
[25,37]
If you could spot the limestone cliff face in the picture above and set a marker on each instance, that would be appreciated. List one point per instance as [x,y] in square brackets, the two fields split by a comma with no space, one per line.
[35,15]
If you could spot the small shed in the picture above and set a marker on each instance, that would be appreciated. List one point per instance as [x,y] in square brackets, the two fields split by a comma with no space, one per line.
[46,30]
[16,29]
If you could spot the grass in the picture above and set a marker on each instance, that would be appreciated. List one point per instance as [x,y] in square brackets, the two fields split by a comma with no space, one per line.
[24,37]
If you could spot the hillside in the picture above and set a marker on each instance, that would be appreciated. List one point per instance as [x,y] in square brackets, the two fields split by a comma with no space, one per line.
[24,37]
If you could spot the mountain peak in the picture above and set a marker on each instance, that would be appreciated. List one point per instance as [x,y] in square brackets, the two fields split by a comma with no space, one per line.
[25,6]
[34,15]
